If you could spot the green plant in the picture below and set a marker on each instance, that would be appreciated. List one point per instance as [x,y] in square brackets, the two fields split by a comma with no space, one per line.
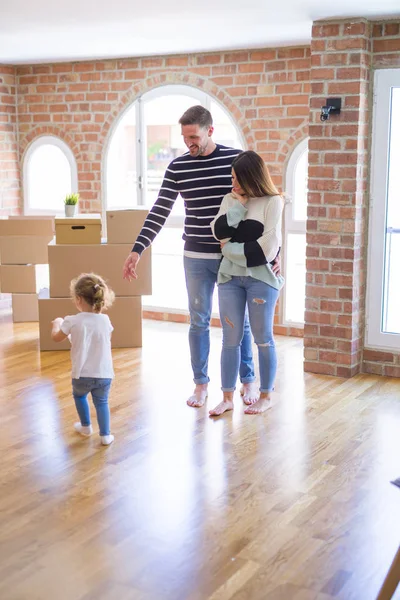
[71,199]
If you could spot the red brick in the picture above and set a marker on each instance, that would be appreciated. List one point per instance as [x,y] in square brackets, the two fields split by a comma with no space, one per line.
[386,45]
[391,371]
[317,46]
[331,306]
[208,59]
[392,28]
[323,73]
[291,53]
[348,372]
[377,30]
[324,144]
[224,70]
[340,158]
[348,44]
[349,73]
[148,63]
[319,368]
[372,368]
[335,59]
[235,57]
[325,30]
[251,68]
[275,65]
[319,317]
[344,87]
[223,81]
[298,63]
[316,211]
[378,356]
[355,29]
[263,55]
[314,264]
[253,78]
[314,342]
[238,91]
[320,292]
[336,332]
[339,280]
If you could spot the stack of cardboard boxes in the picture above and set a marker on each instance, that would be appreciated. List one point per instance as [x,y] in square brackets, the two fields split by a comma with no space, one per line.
[23,262]
[78,248]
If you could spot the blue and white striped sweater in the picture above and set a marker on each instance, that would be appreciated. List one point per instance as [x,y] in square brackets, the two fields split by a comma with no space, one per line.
[202,182]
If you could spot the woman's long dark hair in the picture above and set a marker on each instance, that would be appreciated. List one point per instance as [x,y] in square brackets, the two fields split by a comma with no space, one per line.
[253,175]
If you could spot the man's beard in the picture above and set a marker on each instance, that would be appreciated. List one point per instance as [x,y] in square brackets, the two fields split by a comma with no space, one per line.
[199,150]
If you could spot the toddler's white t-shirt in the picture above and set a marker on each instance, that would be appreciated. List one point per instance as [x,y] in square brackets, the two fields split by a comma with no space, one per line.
[90,337]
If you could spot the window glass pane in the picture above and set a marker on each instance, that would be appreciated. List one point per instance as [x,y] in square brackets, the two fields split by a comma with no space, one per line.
[164,141]
[167,267]
[300,188]
[391,304]
[49,178]
[295,277]
[121,164]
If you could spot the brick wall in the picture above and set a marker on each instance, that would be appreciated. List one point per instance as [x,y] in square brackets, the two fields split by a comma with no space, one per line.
[265,91]
[10,201]
[342,54]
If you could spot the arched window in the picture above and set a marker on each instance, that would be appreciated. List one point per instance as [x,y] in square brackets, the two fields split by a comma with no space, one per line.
[295,235]
[50,173]
[144,141]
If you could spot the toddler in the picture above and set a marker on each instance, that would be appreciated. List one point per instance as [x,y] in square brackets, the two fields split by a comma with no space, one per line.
[90,335]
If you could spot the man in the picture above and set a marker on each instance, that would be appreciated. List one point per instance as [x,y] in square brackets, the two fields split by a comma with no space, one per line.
[202,177]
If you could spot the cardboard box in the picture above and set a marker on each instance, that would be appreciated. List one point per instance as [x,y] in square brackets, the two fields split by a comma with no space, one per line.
[123,226]
[68,261]
[24,249]
[23,279]
[25,308]
[41,226]
[125,315]
[82,229]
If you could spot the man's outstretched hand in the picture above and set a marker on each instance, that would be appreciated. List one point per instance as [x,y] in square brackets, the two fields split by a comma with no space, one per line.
[129,270]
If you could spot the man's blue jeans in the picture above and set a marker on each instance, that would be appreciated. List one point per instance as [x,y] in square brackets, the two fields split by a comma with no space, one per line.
[99,388]
[201,278]
[260,299]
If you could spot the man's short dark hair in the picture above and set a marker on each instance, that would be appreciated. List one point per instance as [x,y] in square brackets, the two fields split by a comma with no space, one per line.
[196,115]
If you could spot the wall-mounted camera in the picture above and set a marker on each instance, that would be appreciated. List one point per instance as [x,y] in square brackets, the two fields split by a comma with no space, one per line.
[332,106]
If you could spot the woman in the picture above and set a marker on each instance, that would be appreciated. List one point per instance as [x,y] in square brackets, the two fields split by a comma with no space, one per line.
[248,226]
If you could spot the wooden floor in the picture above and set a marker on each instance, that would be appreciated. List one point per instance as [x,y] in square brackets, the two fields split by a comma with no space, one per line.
[292,505]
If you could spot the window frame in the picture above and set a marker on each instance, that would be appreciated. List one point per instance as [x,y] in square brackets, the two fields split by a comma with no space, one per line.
[384,81]
[200,96]
[291,225]
[29,152]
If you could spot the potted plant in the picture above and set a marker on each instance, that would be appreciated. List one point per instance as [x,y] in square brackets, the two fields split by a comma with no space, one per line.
[70,202]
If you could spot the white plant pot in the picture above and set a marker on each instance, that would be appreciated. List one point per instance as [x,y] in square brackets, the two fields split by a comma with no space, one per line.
[70,210]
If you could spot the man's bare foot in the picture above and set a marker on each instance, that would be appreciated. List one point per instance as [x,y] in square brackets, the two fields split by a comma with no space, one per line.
[199,396]
[263,404]
[249,393]
[222,407]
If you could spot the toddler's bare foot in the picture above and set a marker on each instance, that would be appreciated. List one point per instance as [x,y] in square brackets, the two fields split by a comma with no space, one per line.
[198,397]
[263,404]
[249,393]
